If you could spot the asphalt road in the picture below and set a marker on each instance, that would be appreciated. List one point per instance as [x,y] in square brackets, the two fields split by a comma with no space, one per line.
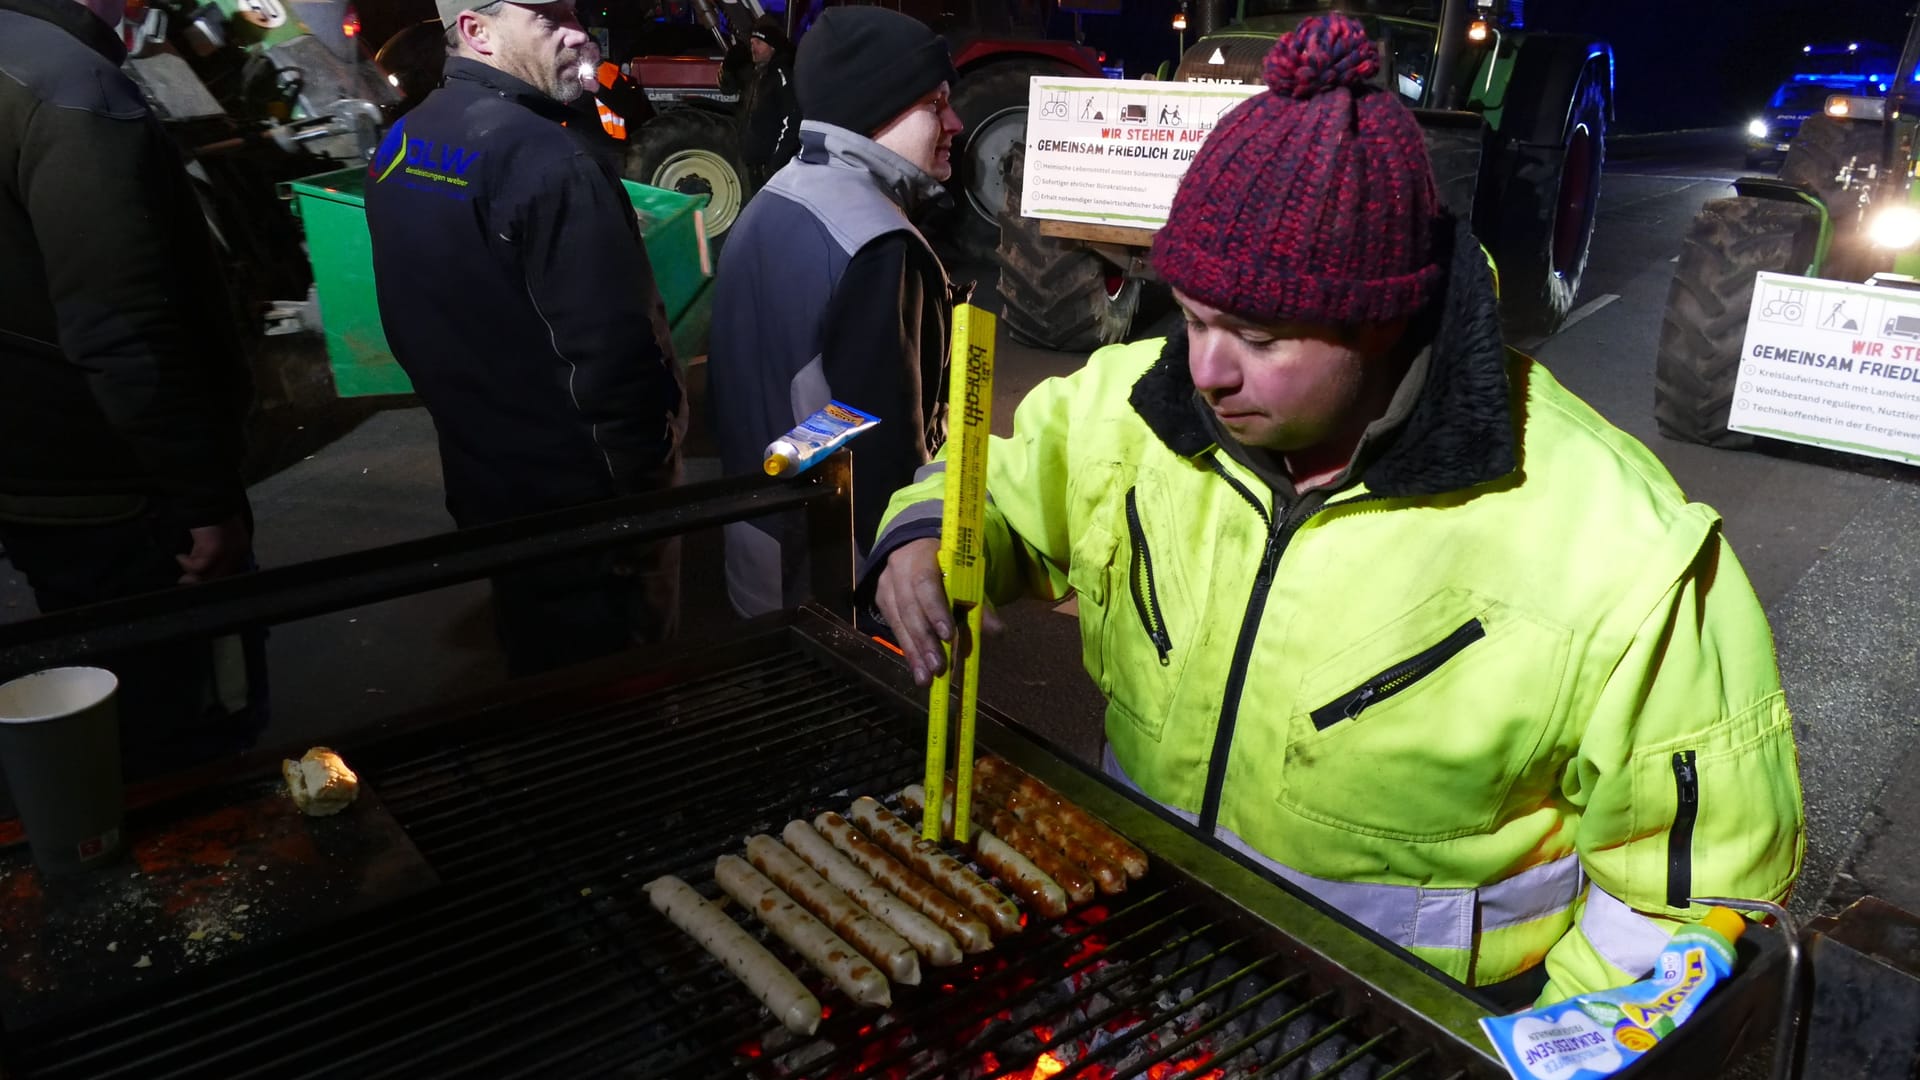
[1825,538]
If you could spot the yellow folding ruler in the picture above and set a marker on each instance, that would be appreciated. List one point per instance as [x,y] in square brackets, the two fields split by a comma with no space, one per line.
[963,560]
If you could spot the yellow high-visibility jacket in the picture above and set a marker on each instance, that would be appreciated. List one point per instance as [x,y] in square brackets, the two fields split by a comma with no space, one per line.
[1508,697]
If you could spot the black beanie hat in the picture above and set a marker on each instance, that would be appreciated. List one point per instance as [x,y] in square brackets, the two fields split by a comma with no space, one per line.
[859,67]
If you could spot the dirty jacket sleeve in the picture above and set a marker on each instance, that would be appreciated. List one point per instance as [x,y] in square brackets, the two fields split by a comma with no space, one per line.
[139,301]
[1029,549]
[1687,779]
[587,275]
[871,354]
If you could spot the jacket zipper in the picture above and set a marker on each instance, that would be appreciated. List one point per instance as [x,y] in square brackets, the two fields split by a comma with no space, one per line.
[1398,677]
[1686,781]
[1279,533]
[1146,599]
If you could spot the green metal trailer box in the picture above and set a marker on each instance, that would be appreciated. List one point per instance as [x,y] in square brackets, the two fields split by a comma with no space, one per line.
[333,210]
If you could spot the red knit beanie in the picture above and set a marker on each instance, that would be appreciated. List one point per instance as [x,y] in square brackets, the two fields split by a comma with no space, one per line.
[1313,202]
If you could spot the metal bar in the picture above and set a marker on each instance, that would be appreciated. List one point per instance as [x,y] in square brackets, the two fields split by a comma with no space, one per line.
[1352,1056]
[948,1008]
[1210,1027]
[1294,1053]
[1272,1027]
[283,594]
[1167,1016]
[1406,1066]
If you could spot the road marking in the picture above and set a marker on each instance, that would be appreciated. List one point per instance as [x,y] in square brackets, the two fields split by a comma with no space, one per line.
[1587,309]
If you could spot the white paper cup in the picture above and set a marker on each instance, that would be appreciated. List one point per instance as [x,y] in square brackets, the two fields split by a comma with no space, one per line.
[60,749]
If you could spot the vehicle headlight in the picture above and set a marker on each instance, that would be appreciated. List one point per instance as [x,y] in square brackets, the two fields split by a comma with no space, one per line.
[1896,227]
[1757,128]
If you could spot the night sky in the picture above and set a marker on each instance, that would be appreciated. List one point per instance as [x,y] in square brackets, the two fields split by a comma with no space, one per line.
[1703,63]
[1681,63]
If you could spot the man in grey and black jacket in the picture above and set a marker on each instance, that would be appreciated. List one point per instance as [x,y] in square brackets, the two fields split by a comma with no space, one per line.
[827,290]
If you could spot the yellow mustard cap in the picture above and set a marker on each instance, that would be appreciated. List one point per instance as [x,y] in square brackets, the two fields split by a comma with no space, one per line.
[1726,922]
[775,464]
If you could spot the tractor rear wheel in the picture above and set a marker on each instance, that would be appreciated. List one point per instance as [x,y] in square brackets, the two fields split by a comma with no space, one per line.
[694,153]
[1730,241]
[992,102]
[1057,294]
[1825,147]
[1546,215]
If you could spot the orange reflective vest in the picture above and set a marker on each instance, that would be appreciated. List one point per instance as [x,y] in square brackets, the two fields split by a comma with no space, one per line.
[613,122]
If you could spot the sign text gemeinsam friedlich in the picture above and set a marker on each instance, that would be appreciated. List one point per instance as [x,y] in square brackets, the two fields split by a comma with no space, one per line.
[1112,151]
[1831,364]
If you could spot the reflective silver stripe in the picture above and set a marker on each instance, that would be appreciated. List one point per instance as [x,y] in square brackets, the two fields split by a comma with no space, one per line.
[931,468]
[1622,936]
[926,509]
[1415,916]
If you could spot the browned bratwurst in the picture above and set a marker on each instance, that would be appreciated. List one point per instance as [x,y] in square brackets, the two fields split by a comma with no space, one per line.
[971,934]
[1049,826]
[1040,891]
[835,908]
[1116,848]
[949,874]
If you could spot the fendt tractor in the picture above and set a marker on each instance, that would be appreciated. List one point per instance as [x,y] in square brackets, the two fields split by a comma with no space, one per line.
[1516,120]
[1844,208]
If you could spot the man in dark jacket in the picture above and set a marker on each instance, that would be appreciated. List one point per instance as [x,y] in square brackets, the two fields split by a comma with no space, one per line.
[516,294]
[122,382]
[826,289]
[761,72]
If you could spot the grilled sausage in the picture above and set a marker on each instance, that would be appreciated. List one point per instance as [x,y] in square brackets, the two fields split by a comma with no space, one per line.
[1047,825]
[1041,892]
[935,945]
[820,946]
[1112,845]
[832,906]
[969,932]
[949,874]
[763,976]
[1071,876]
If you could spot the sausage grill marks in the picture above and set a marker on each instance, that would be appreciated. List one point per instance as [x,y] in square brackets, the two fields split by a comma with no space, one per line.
[866,905]
[934,945]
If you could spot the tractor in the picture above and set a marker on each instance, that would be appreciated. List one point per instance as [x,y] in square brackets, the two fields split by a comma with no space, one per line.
[1516,122]
[1844,208]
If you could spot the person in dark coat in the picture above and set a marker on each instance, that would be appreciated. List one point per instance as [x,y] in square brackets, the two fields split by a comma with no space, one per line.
[762,74]
[827,290]
[123,384]
[515,291]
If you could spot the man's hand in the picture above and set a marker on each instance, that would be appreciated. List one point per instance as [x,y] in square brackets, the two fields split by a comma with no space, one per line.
[218,551]
[912,597]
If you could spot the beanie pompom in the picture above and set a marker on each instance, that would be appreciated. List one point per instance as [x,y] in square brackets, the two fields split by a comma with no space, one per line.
[1320,55]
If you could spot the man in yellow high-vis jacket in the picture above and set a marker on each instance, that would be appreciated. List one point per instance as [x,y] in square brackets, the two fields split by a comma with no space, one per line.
[1371,596]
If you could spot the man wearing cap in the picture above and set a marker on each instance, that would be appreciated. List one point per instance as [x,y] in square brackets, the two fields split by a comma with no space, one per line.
[1373,599]
[827,291]
[515,292]
[761,72]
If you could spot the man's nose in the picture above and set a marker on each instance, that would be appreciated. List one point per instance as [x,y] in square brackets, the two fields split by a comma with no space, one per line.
[1212,366]
[950,121]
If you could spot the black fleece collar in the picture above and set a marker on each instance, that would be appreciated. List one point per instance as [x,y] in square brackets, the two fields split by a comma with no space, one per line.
[1462,430]
[76,20]
[494,81]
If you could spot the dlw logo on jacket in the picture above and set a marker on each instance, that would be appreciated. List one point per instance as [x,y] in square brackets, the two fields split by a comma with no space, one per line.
[421,164]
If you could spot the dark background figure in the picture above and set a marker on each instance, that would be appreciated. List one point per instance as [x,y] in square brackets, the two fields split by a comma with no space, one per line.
[761,72]
[123,383]
[516,293]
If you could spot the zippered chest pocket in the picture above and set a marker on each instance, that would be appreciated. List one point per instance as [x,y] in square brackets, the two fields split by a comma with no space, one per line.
[1139,623]
[1422,730]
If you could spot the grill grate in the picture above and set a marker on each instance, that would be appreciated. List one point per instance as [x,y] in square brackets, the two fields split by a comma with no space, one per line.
[539,955]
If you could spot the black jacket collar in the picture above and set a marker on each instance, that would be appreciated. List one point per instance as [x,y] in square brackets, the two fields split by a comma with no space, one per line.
[1462,431]
[75,20]
[491,80]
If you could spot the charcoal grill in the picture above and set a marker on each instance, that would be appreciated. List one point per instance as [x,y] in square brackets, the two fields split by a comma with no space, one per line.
[543,810]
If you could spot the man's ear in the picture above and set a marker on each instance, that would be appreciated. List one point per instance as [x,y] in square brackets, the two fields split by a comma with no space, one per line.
[477,32]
